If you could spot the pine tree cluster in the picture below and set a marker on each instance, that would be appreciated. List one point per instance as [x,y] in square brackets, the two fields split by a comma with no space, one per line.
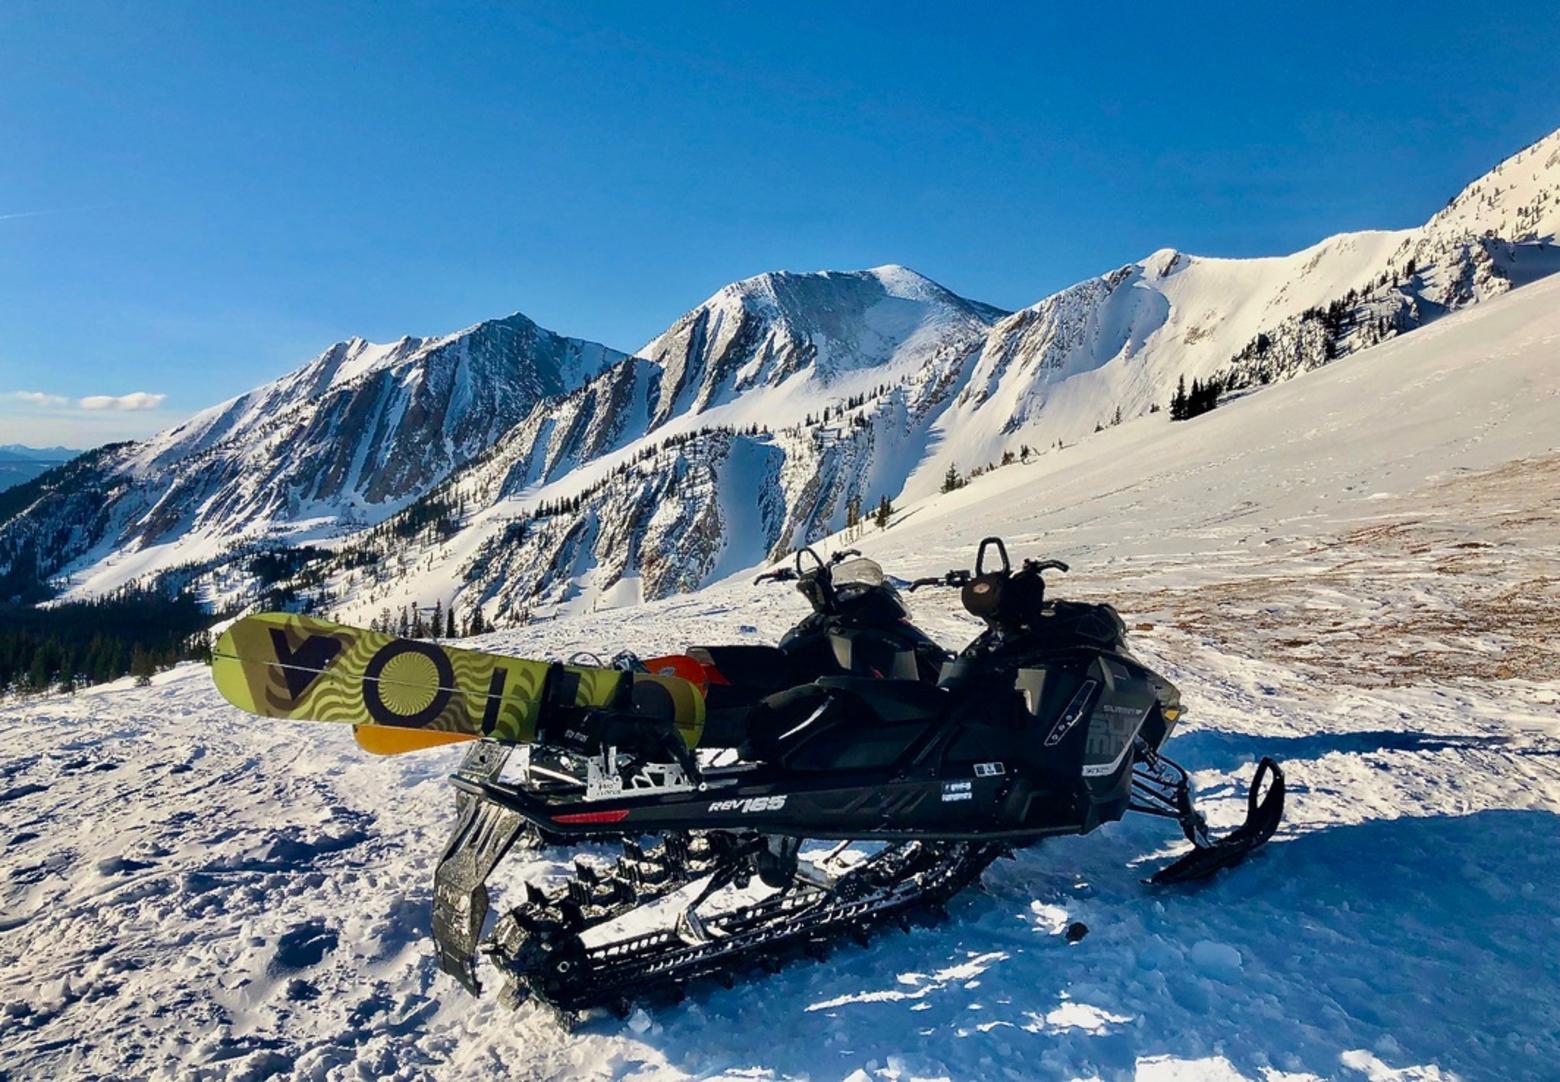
[413,621]
[132,632]
[1202,397]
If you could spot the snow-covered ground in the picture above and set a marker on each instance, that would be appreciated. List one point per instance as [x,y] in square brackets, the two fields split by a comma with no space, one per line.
[1357,572]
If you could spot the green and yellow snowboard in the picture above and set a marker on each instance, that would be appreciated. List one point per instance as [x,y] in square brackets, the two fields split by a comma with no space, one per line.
[403,694]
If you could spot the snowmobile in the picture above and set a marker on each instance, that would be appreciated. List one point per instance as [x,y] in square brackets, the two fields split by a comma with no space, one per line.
[1044,725]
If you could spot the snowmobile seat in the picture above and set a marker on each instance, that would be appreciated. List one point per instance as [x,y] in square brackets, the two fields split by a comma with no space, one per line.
[890,700]
[1077,623]
[752,666]
[850,713]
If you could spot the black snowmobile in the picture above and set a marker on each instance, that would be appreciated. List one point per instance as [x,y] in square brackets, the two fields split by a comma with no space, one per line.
[1044,725]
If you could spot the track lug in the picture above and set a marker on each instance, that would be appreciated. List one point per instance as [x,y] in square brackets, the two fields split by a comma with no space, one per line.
[572,916]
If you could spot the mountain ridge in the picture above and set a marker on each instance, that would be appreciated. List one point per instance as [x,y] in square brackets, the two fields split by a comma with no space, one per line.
[753,423]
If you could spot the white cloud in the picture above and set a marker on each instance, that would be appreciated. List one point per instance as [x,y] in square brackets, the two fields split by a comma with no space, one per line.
[136,400]
[38,398]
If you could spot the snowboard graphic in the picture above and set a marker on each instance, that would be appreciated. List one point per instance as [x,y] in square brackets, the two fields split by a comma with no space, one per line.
[282,665]
[393,740]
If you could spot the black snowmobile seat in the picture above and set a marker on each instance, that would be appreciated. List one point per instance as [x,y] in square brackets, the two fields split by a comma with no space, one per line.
[754,666]
[851,709]
[890,700]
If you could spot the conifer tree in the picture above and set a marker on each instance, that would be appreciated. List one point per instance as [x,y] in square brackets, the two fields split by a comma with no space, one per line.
[951,479]
[885,509]
[141,666]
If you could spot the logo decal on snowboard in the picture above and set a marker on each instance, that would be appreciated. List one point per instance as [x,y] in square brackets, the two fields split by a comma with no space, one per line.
[407,683]
[301,667]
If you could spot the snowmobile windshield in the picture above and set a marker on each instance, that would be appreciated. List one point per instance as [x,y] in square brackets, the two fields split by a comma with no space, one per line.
[860,571]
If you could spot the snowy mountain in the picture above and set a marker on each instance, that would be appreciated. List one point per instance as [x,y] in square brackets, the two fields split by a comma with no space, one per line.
[1354,572]
[446,470]
[343,442]
[37,454]
[845,332]
[657,516]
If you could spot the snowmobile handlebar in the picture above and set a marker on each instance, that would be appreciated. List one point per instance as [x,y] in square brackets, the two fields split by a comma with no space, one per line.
[956,579]
[1045,565]
[779,574]
[791,574]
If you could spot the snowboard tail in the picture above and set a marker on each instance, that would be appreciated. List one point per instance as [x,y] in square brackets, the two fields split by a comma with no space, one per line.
[283,665]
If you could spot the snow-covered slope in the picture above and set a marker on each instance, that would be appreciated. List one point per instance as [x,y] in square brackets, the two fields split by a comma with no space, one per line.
[1354,571]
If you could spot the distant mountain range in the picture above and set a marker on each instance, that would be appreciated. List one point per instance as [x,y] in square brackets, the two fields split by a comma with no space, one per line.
[514,469]
[18,463]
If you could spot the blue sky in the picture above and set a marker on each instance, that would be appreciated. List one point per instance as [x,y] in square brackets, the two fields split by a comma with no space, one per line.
[197,198]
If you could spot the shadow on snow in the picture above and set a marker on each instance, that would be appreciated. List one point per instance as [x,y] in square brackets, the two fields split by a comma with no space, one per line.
[1396,936]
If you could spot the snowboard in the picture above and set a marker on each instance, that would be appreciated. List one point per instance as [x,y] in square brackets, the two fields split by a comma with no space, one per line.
[392,740]
[283,665]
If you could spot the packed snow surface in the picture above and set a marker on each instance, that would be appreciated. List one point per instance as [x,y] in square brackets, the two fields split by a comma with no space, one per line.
[1355,572]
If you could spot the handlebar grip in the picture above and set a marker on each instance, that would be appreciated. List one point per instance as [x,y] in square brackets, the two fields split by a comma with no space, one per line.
[1046,565]
[837,557]
[932,581]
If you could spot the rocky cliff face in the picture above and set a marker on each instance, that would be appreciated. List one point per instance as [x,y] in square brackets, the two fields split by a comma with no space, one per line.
[350,438]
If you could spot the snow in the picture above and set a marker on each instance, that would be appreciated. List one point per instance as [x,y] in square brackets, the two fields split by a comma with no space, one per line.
[1354,571]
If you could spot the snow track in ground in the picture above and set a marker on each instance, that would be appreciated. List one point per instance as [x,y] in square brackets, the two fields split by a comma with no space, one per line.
[1353,577]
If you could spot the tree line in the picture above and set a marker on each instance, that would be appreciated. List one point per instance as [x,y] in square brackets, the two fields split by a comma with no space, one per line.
[70,645]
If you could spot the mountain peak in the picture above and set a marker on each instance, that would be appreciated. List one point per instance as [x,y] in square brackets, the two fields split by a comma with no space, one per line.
[1518,200]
